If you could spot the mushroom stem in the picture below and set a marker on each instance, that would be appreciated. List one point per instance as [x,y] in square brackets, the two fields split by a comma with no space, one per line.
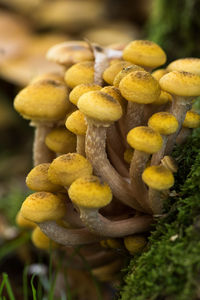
[138,165]
[116,161]
[80,145]
[41,153]
[180,106]
[104,227]
[67,237]
[156,200]
[183,135]
[134,115]
[156,157]
[95,152]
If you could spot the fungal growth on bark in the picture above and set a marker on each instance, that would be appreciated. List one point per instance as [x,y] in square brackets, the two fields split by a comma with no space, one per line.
[103,144]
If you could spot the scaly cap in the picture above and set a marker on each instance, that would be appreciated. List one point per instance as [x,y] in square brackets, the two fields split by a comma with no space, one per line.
[43,206]
[158,177]
[190,64]
[76,123]
[61,140]
[140,87]
[145,139]
[81,89]
[68,167]
[181,83]
[37,179]
[144,53]
[82,72]
[163,122]
[90,192]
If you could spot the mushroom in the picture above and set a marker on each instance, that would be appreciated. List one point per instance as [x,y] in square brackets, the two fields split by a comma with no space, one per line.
[90,194]
[166,124]
[60,140]
[159,179]
[79,73]
[188,64]
[184,87]
[139,88]
[51,97]
[70,53]
[192,120]
[144,53]
[68,167]
[101,110]
[110,73]
[81,89]
[37,179]
[145,141]
[76,123]
[135,243]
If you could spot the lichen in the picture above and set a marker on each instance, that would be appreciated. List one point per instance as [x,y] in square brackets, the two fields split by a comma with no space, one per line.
[169,268]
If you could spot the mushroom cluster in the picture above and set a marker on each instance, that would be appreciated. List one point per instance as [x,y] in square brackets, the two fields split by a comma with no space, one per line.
[104,135]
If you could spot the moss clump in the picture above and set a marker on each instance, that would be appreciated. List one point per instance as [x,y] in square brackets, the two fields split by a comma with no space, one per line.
[170,268]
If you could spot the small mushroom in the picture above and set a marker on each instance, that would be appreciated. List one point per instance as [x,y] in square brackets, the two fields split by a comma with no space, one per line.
[184,87]
[68,167]
[144,53]
[81,89]
[51,97]
[145,141]
[159,179]
[139,88]
[166,124]
[60,140]
[90,194]
[76,123]
[135,243]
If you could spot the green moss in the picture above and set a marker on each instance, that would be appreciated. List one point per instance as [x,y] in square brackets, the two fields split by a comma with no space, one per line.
[170,268]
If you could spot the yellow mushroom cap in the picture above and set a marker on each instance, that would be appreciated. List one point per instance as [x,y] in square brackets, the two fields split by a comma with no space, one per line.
[144,53]
[145,139]
[189,64]
[100,106]
[158,177]
[22,222]
[159,73]
[61,140]
[140,87]
[163,99]
[43,206]
[68,167]
[110,72]
[40,240]
[114,243]
[135,243]
[76,123]
[82,72]
[81,89]
[181,83]
[163,122]
[46,100]
[70,52]
[115,93]
[124,72]
[37,179]
[192,120]
[90,192]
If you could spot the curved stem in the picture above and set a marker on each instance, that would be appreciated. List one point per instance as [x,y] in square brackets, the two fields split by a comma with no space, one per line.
[134,115]
[156,157]
[95,152]
[67,237]
[104,227]
[138,165]
[41,153]
[183,135]
[180,106]
[156,200]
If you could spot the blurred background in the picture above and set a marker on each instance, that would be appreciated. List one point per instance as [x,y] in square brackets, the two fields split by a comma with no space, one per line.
[27,30]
